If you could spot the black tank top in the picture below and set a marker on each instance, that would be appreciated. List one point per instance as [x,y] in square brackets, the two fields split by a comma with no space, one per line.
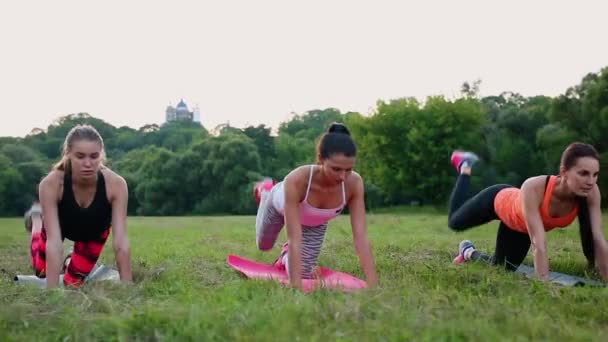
[84,224]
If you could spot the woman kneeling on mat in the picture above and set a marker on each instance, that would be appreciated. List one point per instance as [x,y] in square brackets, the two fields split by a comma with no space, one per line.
[306,200]
[542,204]
[81,200]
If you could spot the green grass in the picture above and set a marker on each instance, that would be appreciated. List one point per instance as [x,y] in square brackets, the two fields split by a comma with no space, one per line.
[185,291]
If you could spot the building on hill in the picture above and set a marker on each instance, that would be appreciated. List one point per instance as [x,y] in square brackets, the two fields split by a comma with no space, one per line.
[182,113]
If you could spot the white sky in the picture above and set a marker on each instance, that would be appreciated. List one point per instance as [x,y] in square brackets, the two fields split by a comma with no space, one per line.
[252,62]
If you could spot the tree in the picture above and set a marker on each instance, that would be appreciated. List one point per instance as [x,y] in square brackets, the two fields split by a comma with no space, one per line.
[231,165]
[264,141]
[404,146]
[583,109]
[311,124]
[20,153]
[157,189]
[11,185]
[511,150]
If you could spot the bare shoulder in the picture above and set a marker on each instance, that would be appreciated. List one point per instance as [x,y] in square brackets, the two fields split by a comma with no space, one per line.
[354,185]
[296,182]
[534,185]
[299,175]
[536,181]
[53,180]
[50,187]
[596,191]
[115,182]
[595,196]
[354,180]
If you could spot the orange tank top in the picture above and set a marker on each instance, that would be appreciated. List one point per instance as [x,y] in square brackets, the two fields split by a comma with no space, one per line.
[508,207]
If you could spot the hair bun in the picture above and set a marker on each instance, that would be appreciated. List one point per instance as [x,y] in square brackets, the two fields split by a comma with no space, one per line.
[337,127]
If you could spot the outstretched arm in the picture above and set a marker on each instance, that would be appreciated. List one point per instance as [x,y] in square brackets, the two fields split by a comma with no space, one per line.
[120,242]
[54,244]
[356,207]
[531,199]
[600,246]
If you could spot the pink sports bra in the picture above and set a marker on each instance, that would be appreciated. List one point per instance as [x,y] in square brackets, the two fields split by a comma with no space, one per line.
[311,216]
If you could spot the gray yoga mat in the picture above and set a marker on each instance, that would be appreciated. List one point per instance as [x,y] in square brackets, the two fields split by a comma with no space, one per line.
[99,273]
[560,278]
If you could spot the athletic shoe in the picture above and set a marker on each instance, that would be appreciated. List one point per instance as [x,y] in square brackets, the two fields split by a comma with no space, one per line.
[259,187]
[35,209]
[460,157]
[465,249]
[66,262]
[279,262]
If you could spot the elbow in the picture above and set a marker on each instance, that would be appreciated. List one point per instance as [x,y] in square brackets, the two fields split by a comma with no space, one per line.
[539,248]
[121,247]
[455,225]
[54,245]
[361,243]
[264,244]
[452,225]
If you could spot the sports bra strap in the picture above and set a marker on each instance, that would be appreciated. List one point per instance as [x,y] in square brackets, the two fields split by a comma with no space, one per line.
[309,183]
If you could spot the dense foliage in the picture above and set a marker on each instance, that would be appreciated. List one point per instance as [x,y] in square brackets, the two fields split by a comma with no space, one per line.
[181,168]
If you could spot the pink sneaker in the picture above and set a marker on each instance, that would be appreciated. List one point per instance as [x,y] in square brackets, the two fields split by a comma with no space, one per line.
[463,249]
[265,185]
[459,259]
[35,210]
[279,262]
[458,157]
[66,261]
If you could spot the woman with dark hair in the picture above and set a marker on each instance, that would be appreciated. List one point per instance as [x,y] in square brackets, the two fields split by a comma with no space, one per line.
[80,200]
[306,200]
[542,204]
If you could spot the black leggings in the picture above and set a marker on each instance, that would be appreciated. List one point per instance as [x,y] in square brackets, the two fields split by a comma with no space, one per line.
[511,245]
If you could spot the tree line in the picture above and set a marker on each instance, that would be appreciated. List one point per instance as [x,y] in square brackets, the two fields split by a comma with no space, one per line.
[182,168]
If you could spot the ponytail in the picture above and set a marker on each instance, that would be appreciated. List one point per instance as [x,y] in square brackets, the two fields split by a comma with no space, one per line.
[586,234]
[337,139]
[63,165]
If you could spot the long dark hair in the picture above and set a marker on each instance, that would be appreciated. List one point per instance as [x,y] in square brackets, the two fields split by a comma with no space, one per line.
[584,223]
[569,158]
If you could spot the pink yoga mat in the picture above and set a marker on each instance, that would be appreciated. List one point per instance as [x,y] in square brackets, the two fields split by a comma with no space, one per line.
[329,278]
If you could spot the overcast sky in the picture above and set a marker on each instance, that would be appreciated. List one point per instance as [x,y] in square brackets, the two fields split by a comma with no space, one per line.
[253,62]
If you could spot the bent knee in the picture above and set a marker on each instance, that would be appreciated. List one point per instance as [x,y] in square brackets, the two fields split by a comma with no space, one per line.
[264,245]
[455,225]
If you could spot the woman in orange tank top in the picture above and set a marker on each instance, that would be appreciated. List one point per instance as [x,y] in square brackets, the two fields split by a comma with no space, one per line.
[543,203]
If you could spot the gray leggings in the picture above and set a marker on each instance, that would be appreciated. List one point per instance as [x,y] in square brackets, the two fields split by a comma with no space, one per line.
[268,224]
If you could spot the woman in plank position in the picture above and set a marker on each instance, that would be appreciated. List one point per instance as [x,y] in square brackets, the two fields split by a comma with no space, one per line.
[542,204]
[80,200]
[306,200]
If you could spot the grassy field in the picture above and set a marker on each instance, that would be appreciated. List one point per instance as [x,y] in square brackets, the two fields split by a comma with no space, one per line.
[185,291]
